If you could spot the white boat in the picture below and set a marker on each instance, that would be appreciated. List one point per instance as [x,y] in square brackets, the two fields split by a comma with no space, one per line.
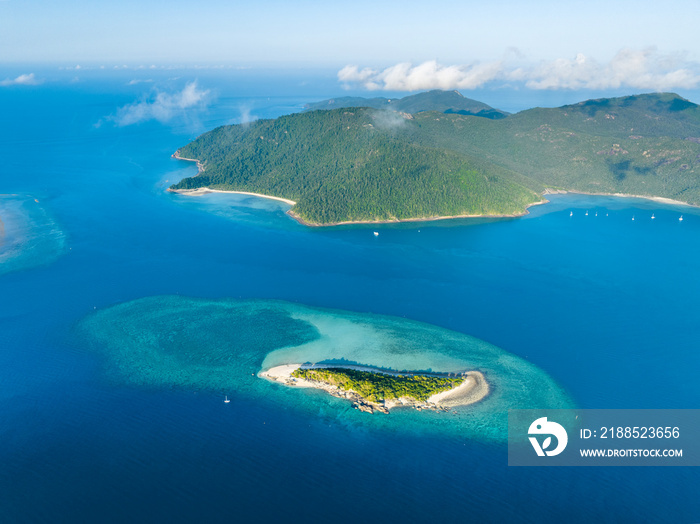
[632,217]
[226,400]
[652,216]
[376,233]
[596,213]
[571,214]
[586,213]
[681,218]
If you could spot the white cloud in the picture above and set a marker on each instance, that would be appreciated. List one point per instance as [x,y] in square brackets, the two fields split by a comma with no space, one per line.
[21,80]
[389,119]
[645,69]
[247,115]
[162,107]
[428,75]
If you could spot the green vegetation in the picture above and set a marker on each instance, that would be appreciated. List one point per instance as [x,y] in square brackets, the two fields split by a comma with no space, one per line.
[364,164]
[359,165]
[377,386]
[645,145]
[436,100]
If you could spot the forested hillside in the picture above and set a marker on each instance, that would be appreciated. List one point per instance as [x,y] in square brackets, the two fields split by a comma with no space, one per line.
[353,165]
[359,164]
[646,145]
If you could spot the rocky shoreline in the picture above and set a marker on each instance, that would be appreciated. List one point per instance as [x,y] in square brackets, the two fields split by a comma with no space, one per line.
[472,389]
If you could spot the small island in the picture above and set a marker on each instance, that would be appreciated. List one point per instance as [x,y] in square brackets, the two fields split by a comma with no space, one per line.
[377,390]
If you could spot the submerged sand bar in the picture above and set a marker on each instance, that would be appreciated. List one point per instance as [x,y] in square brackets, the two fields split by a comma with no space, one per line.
[205,190]
[472,389]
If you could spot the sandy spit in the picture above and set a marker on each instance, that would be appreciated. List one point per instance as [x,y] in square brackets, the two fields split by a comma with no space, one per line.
[473,389]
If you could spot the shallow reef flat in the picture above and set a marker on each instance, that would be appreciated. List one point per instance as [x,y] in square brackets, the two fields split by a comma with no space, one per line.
[221,346]
[29,235]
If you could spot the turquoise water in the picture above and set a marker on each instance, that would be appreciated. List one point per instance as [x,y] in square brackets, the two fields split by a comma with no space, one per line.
[603,305]
[29,236]
[220,346]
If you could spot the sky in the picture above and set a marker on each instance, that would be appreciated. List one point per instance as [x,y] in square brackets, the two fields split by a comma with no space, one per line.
[371,45]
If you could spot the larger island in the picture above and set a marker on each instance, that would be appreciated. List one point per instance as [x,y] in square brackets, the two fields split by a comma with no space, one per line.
[451,157]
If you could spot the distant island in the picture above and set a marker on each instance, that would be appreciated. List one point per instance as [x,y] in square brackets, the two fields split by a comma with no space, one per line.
[377,390]
[440,155]
[436,100]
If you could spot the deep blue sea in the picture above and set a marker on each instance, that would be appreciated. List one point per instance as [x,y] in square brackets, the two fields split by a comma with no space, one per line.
[605,305]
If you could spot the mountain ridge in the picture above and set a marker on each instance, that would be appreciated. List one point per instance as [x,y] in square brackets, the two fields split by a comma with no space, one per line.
[435,100]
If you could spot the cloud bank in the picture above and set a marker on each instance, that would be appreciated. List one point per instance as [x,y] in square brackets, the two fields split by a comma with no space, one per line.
[428,75]
[639,69]
[247,115]
[21,80]
[644,69]
[162,107]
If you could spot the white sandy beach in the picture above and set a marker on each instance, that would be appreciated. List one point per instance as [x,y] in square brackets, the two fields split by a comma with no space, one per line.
[661,200]
[473,389]
[284,374]
[205,190]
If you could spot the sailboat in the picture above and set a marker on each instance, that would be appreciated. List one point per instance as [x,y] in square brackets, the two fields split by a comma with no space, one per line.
[571,214]
[586,213]
[681,218]
[632,217]
[376,233]
[226,400]
[652,216]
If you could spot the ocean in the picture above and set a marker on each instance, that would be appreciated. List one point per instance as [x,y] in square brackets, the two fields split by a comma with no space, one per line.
[602,304]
